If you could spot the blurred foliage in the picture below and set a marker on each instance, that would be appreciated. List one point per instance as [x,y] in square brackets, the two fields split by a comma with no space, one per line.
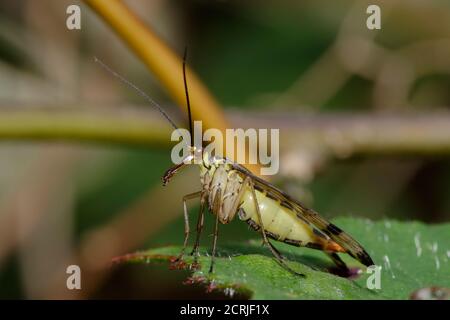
[258,51]
[126,182]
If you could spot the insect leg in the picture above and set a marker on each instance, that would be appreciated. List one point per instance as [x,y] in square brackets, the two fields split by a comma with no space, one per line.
[186,222]
[274,251]
[213,254]
[339,263]
[200,221]
[217,208]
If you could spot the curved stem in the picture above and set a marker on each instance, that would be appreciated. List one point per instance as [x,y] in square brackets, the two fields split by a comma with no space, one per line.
[161,60]
[164,63]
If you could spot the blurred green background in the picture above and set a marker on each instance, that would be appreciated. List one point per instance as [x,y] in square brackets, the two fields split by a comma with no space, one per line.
[62,200]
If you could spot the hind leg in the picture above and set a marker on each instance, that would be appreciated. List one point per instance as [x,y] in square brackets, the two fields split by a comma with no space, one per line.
[274,251]
[341,267]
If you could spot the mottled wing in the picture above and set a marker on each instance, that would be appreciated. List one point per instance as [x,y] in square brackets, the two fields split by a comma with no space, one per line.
[352,247]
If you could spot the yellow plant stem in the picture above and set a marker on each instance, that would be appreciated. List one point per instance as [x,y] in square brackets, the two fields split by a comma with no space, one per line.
[161,60]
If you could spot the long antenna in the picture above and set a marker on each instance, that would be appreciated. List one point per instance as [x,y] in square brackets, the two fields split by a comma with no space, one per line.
[188,102]
[142,93]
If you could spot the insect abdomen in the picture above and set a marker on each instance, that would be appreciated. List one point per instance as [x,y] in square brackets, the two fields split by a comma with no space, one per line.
[278,220]
[281,223]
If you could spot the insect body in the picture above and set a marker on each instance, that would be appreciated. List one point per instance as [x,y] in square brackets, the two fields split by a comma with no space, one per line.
[229,189]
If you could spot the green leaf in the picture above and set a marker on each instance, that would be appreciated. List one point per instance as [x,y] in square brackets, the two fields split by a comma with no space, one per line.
[412,256]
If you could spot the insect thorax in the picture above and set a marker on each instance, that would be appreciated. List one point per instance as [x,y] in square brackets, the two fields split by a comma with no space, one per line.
[221,185]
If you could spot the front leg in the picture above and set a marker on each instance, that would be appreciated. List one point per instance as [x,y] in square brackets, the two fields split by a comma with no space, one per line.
[217,209]
[200,222]
[186,223]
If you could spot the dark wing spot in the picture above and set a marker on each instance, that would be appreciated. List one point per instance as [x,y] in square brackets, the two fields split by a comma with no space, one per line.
[259,188]
[271,196]
[319,233]
[286,204]
[365,259]
[333,229]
